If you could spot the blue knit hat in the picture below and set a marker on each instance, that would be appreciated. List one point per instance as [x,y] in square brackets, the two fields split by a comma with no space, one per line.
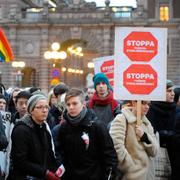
[100,77]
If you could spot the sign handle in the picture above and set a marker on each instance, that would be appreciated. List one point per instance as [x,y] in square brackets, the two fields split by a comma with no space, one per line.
[139,121]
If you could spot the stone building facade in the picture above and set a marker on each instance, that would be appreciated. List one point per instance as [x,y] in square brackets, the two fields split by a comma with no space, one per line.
[33,25]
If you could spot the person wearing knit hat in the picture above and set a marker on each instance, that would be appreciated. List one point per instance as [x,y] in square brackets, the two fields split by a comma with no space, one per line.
[169,91]
[32,144]
[102,102]
[99,78]
[169,83]
[33,101]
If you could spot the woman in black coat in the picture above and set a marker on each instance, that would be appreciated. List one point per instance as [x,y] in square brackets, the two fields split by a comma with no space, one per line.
[32,146]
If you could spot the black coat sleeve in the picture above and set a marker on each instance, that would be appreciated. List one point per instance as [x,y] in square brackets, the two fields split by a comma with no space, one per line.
[55,135]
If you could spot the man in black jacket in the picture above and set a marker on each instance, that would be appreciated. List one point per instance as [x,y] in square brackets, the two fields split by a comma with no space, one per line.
[85,145]
[162,117]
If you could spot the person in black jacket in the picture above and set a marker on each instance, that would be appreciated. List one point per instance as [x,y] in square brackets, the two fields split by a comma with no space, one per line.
[3,140]
[85,145]
[176,140]
[32,146]
[56,111]
[162,117]
[102,101]
[176,145]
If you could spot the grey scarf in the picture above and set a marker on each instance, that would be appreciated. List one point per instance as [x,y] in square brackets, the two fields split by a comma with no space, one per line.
[76,120]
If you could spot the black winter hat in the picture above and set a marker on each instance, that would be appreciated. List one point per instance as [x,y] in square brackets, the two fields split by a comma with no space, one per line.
[60,89]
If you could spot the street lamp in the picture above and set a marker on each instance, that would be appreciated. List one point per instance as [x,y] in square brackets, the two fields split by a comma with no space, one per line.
[55,54]
[76,50]
[90,65]
[18,65]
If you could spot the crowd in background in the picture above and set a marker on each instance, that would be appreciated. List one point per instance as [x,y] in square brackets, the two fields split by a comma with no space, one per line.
[71,134]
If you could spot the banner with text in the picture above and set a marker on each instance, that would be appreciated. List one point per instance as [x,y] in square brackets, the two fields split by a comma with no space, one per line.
[105,65]
[140,63]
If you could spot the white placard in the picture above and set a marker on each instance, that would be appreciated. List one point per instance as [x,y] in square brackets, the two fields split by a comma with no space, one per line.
[140,67]
[105,65]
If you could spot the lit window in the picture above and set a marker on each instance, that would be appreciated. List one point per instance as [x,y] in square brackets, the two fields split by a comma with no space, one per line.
[123,12]
[164,13]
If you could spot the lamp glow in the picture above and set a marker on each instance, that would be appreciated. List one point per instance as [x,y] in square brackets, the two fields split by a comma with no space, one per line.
[47,55]
[55,46]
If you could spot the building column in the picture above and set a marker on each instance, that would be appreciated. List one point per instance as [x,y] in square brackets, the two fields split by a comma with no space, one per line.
[12,40]
[43,64]
[106,41]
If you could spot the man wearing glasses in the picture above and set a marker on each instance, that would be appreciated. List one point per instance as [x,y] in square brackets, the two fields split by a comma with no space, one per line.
[32,146]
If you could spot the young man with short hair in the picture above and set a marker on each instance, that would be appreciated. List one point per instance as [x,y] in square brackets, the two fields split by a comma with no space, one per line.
[21,105]
[85,144]
[102,102]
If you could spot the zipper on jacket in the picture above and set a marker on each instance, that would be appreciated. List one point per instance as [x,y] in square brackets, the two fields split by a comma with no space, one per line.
[110,173]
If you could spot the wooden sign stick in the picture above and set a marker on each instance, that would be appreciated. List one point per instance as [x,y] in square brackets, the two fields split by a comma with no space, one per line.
[139,121]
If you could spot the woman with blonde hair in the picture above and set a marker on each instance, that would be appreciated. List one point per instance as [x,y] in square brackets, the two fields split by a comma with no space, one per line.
[51,98]
[134,144]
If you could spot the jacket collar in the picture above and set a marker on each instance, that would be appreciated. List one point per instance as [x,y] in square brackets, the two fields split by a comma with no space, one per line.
[131,118]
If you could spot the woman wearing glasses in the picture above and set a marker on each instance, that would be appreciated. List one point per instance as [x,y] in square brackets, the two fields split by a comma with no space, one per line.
[32,147]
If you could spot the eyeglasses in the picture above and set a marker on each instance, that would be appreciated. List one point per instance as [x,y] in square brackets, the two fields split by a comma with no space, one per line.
[42,107]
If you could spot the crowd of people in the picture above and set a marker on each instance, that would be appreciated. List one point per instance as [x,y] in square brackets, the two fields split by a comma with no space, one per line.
[71,134]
